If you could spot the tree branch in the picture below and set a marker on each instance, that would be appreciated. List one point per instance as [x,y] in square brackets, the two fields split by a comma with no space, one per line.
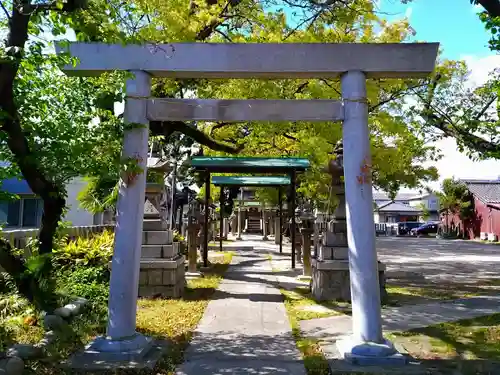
[219,125]
[166,128]
[491,6]
[7,14]
[485,108]
[395,95]
[287,136]
[448,128]
[207,30]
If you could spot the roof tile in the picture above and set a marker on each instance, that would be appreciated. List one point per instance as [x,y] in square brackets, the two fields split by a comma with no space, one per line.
[486,191]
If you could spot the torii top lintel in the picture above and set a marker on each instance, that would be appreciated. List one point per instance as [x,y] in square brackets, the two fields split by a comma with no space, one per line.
[255,60]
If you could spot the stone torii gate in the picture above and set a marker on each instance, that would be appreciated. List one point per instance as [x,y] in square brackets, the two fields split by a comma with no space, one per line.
[352,63]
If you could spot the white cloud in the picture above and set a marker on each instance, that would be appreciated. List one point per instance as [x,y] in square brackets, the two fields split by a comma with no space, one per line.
[408,12]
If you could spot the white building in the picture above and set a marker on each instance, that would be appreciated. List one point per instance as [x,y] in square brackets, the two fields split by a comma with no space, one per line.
[405,207]
[26,212]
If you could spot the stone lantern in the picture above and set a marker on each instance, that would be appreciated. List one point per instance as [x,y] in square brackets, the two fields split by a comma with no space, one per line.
[306,224]
[161,264]
[330,268]
[155,191]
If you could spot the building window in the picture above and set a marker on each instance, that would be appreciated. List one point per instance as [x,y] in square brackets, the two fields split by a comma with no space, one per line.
[390,219]
[32,212]
[25,212]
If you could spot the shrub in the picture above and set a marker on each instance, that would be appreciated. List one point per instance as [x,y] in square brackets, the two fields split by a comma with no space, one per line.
[86,251]
[83,267]
[178,237]
[7,285]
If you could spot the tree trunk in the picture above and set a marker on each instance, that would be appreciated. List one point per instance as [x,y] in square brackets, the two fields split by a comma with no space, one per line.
[27,162]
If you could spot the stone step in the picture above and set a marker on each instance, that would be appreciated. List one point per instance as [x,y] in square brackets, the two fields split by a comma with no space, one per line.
[153,225]
[157,237]
[160,251]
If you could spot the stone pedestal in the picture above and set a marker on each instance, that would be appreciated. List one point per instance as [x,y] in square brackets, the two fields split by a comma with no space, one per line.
[162,267]
[241,214]
[192,251]
[277,231]
[226,229]
[234,224]
[306,251]
[264,225]
[298,245]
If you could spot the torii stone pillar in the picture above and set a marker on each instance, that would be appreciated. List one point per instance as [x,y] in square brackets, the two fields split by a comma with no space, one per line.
[122,341]
[366,345]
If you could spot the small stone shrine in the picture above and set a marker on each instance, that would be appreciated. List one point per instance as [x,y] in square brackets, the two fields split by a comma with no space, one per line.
[330,268]
[162,266]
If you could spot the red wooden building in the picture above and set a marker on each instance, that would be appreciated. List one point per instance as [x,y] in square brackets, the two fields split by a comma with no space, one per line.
[486,221]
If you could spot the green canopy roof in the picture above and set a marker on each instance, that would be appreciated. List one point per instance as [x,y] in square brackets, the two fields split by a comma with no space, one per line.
[249,164]
[260,181]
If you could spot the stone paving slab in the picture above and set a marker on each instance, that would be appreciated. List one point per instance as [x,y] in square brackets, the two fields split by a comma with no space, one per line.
[245,328]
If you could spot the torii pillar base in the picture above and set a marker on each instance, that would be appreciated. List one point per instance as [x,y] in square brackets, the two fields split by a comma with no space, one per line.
[360,353]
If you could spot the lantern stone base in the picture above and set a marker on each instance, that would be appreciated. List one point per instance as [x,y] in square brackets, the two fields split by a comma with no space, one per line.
[331,282]
[163,278]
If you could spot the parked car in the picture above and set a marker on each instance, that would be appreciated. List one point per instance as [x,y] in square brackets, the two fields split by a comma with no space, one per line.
[425,230]
[405,227]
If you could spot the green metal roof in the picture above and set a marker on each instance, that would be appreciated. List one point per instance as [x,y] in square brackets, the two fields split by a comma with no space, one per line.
[260,181]
[249,164]
[252,204]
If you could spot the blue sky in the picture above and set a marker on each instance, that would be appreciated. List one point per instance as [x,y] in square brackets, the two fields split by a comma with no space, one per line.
[453,23]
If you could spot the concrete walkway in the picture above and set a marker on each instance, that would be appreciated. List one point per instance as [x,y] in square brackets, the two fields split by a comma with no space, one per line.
[245,328]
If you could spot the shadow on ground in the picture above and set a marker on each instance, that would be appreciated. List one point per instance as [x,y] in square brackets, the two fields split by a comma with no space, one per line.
[233,353]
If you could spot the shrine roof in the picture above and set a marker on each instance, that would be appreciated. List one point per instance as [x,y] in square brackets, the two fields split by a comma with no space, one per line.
[249,164]
[259,181]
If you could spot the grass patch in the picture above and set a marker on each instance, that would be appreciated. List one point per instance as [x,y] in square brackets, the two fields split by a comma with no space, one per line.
[224,242]
[399,294]
[314,360]
[471,346]
[18,322]
[298,301]
[167,319]
[175,320]
[404,295]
